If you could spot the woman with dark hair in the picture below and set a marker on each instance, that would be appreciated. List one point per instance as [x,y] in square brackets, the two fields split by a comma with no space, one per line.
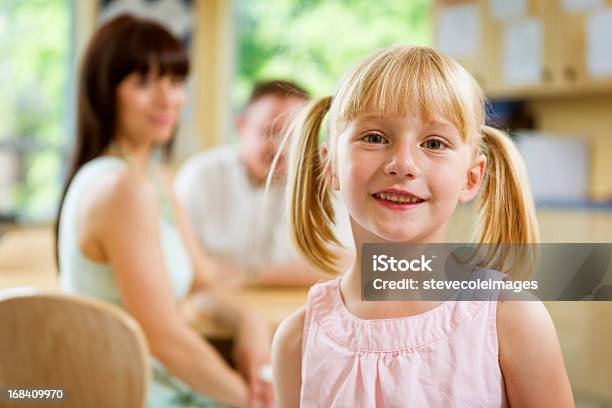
[122,236]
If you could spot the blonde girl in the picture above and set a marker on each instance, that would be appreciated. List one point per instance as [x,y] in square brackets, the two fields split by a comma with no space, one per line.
[406,143]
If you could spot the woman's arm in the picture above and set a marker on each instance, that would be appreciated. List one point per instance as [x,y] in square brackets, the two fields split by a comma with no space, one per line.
[530,356]
[297,272]
[251,333]
[129,220]
[287,360]
[208,271]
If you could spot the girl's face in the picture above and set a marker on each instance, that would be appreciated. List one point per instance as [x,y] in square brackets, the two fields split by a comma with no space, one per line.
[402,176]
[148,107]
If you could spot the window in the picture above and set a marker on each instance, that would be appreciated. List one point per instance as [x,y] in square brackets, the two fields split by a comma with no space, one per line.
[34,72]
[314,41]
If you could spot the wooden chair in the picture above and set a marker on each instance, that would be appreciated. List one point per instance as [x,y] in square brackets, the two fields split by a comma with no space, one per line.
[91,350]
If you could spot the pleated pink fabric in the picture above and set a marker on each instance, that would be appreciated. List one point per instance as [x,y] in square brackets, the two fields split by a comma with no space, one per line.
[445,357]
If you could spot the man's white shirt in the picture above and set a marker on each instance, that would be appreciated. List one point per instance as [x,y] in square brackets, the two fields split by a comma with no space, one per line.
[235,219]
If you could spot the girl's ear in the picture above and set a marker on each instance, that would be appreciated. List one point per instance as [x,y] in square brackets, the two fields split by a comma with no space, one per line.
[330,174]
[475,176]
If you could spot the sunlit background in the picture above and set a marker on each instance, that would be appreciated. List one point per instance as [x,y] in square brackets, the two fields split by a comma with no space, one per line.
[539,61]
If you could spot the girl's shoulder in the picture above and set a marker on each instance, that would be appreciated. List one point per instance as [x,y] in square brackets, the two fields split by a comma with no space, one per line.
[523,323]
[519,308]
[288,336]
[287,359]
[289,333]
[287,341]
[529,349]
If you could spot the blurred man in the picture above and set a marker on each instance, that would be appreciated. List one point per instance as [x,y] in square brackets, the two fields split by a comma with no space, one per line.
[244,233]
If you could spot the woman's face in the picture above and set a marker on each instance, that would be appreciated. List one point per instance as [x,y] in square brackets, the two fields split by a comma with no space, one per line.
[402,176]
[148,106]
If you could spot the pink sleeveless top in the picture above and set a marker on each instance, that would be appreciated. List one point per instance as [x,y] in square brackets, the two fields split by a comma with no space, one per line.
[445,357]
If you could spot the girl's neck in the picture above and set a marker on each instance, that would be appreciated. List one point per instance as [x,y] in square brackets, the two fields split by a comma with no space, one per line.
[351,290]
[351,279]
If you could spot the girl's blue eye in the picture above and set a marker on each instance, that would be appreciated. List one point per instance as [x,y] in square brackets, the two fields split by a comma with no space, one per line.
[374,138]
[434,144]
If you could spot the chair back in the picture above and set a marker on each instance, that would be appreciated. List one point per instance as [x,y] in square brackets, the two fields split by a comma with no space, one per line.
[91,350]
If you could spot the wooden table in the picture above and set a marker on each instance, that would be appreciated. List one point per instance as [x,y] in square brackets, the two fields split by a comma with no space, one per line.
[27,258]
[273,304]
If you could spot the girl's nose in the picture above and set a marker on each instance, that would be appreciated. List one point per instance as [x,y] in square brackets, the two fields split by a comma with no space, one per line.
[402,162]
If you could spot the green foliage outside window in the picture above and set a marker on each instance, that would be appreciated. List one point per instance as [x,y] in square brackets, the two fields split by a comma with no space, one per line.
[35,44]
[314,41]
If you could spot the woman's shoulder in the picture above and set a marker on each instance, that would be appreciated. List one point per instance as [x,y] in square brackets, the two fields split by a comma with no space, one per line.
[123,189]
[127,181]
[129,191]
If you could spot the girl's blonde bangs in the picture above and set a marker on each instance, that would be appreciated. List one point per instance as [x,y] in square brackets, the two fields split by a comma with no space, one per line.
[403,80]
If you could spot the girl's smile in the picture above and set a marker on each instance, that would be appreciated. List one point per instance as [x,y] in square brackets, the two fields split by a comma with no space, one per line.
[397,199]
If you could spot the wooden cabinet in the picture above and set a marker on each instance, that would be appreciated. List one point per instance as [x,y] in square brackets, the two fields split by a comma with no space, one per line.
[564,38]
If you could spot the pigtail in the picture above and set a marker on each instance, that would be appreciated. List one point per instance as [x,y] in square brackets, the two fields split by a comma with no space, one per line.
[309,203]
[507,215]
